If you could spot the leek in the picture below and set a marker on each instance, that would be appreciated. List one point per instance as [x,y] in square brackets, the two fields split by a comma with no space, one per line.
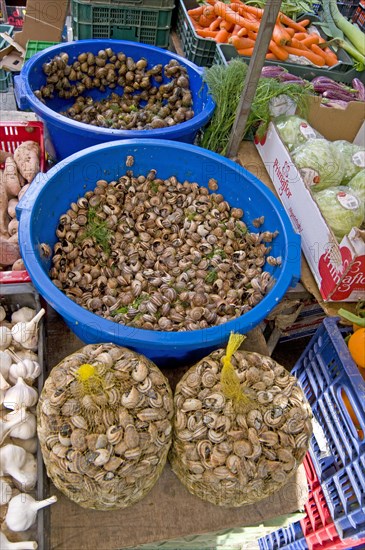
[352,32]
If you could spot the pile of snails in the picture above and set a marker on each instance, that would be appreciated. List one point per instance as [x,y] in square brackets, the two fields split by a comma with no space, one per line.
[229,456]
[19,369]
[104,425]
[144,98]
[160,255]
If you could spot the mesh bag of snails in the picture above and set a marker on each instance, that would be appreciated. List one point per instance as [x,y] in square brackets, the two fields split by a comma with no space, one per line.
[105,426]
[241,427]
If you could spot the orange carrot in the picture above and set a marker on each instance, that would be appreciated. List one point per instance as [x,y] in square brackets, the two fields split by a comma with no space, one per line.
[297,44]
[242,32]
[228,14]
[226,25]
[257,12]
[271,56]
[215,25]
[299,27]
[304,23]
[290,31]
[330,57]
[208,11]
[195,24]
[236,30]
[222,36]
[241,43]
[196,11]
[317,50]
[279,35]
[252,35]
[316,59]
[206,33]
[278,51]
[245,51]
[241,9]
[300,35]
[205,21]
[311,39]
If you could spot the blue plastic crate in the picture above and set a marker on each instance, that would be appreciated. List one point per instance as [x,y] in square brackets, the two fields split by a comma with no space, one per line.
[288,538]
[323,370]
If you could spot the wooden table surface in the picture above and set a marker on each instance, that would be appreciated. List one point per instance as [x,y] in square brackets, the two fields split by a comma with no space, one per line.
[169,511]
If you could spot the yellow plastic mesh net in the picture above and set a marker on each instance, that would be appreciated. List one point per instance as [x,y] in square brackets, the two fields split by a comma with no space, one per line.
[230,382]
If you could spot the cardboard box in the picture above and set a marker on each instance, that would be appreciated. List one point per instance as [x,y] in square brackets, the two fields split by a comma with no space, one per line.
[44,21]
[338,268]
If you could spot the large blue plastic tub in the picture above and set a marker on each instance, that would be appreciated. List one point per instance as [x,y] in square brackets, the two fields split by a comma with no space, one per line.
[51,194]
[69,136]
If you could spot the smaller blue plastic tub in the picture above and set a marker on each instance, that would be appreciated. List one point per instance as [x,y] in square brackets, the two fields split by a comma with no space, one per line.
[51,194]
[69,136]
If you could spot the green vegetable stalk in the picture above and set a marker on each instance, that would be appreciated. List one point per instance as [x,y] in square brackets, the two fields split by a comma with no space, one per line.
[345,35]
[353,33]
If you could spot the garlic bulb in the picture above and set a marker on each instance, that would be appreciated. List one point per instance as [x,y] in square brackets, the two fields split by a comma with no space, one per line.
[30,445]
[20,395]
[26,368]
[5,544]
[5,337]
[5,362]
[8,424]
[26,333]
[26,427]
[22,354]
[4,386]
[20,465]
[2,313]
[5,492]
[22,511]
[23,315]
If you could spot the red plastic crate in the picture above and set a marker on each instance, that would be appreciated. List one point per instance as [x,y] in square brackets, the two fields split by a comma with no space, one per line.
[310,472]
[12,134]
[318,527]
[359,16]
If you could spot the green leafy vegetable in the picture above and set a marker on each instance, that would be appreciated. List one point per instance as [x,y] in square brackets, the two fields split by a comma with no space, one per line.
[341,209]
[357,184]
[97,229]
[291,8]
[226,84]
[353,158]
[319,164]
[294,130]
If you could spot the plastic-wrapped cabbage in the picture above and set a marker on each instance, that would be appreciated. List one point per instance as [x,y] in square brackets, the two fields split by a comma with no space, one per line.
[357,184]
[341,208]
[353,158]
[319,164]
[294,130]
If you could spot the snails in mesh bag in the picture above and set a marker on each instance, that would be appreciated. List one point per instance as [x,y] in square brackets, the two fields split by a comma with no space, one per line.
[241,427]
[105,426]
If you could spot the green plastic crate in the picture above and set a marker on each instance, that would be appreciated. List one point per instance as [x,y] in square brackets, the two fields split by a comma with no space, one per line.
[5,28]
[35,46]
[5,80]
[344,73]
[122,22]
[200,51]
[139,3]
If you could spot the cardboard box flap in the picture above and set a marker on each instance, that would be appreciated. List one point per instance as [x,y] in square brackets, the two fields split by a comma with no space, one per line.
[348,121]
[44,20]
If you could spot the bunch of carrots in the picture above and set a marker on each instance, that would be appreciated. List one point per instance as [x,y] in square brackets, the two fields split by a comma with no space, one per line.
[238,24]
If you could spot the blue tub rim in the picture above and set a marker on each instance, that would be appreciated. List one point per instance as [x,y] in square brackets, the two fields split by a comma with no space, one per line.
[136,337]
[192,125]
